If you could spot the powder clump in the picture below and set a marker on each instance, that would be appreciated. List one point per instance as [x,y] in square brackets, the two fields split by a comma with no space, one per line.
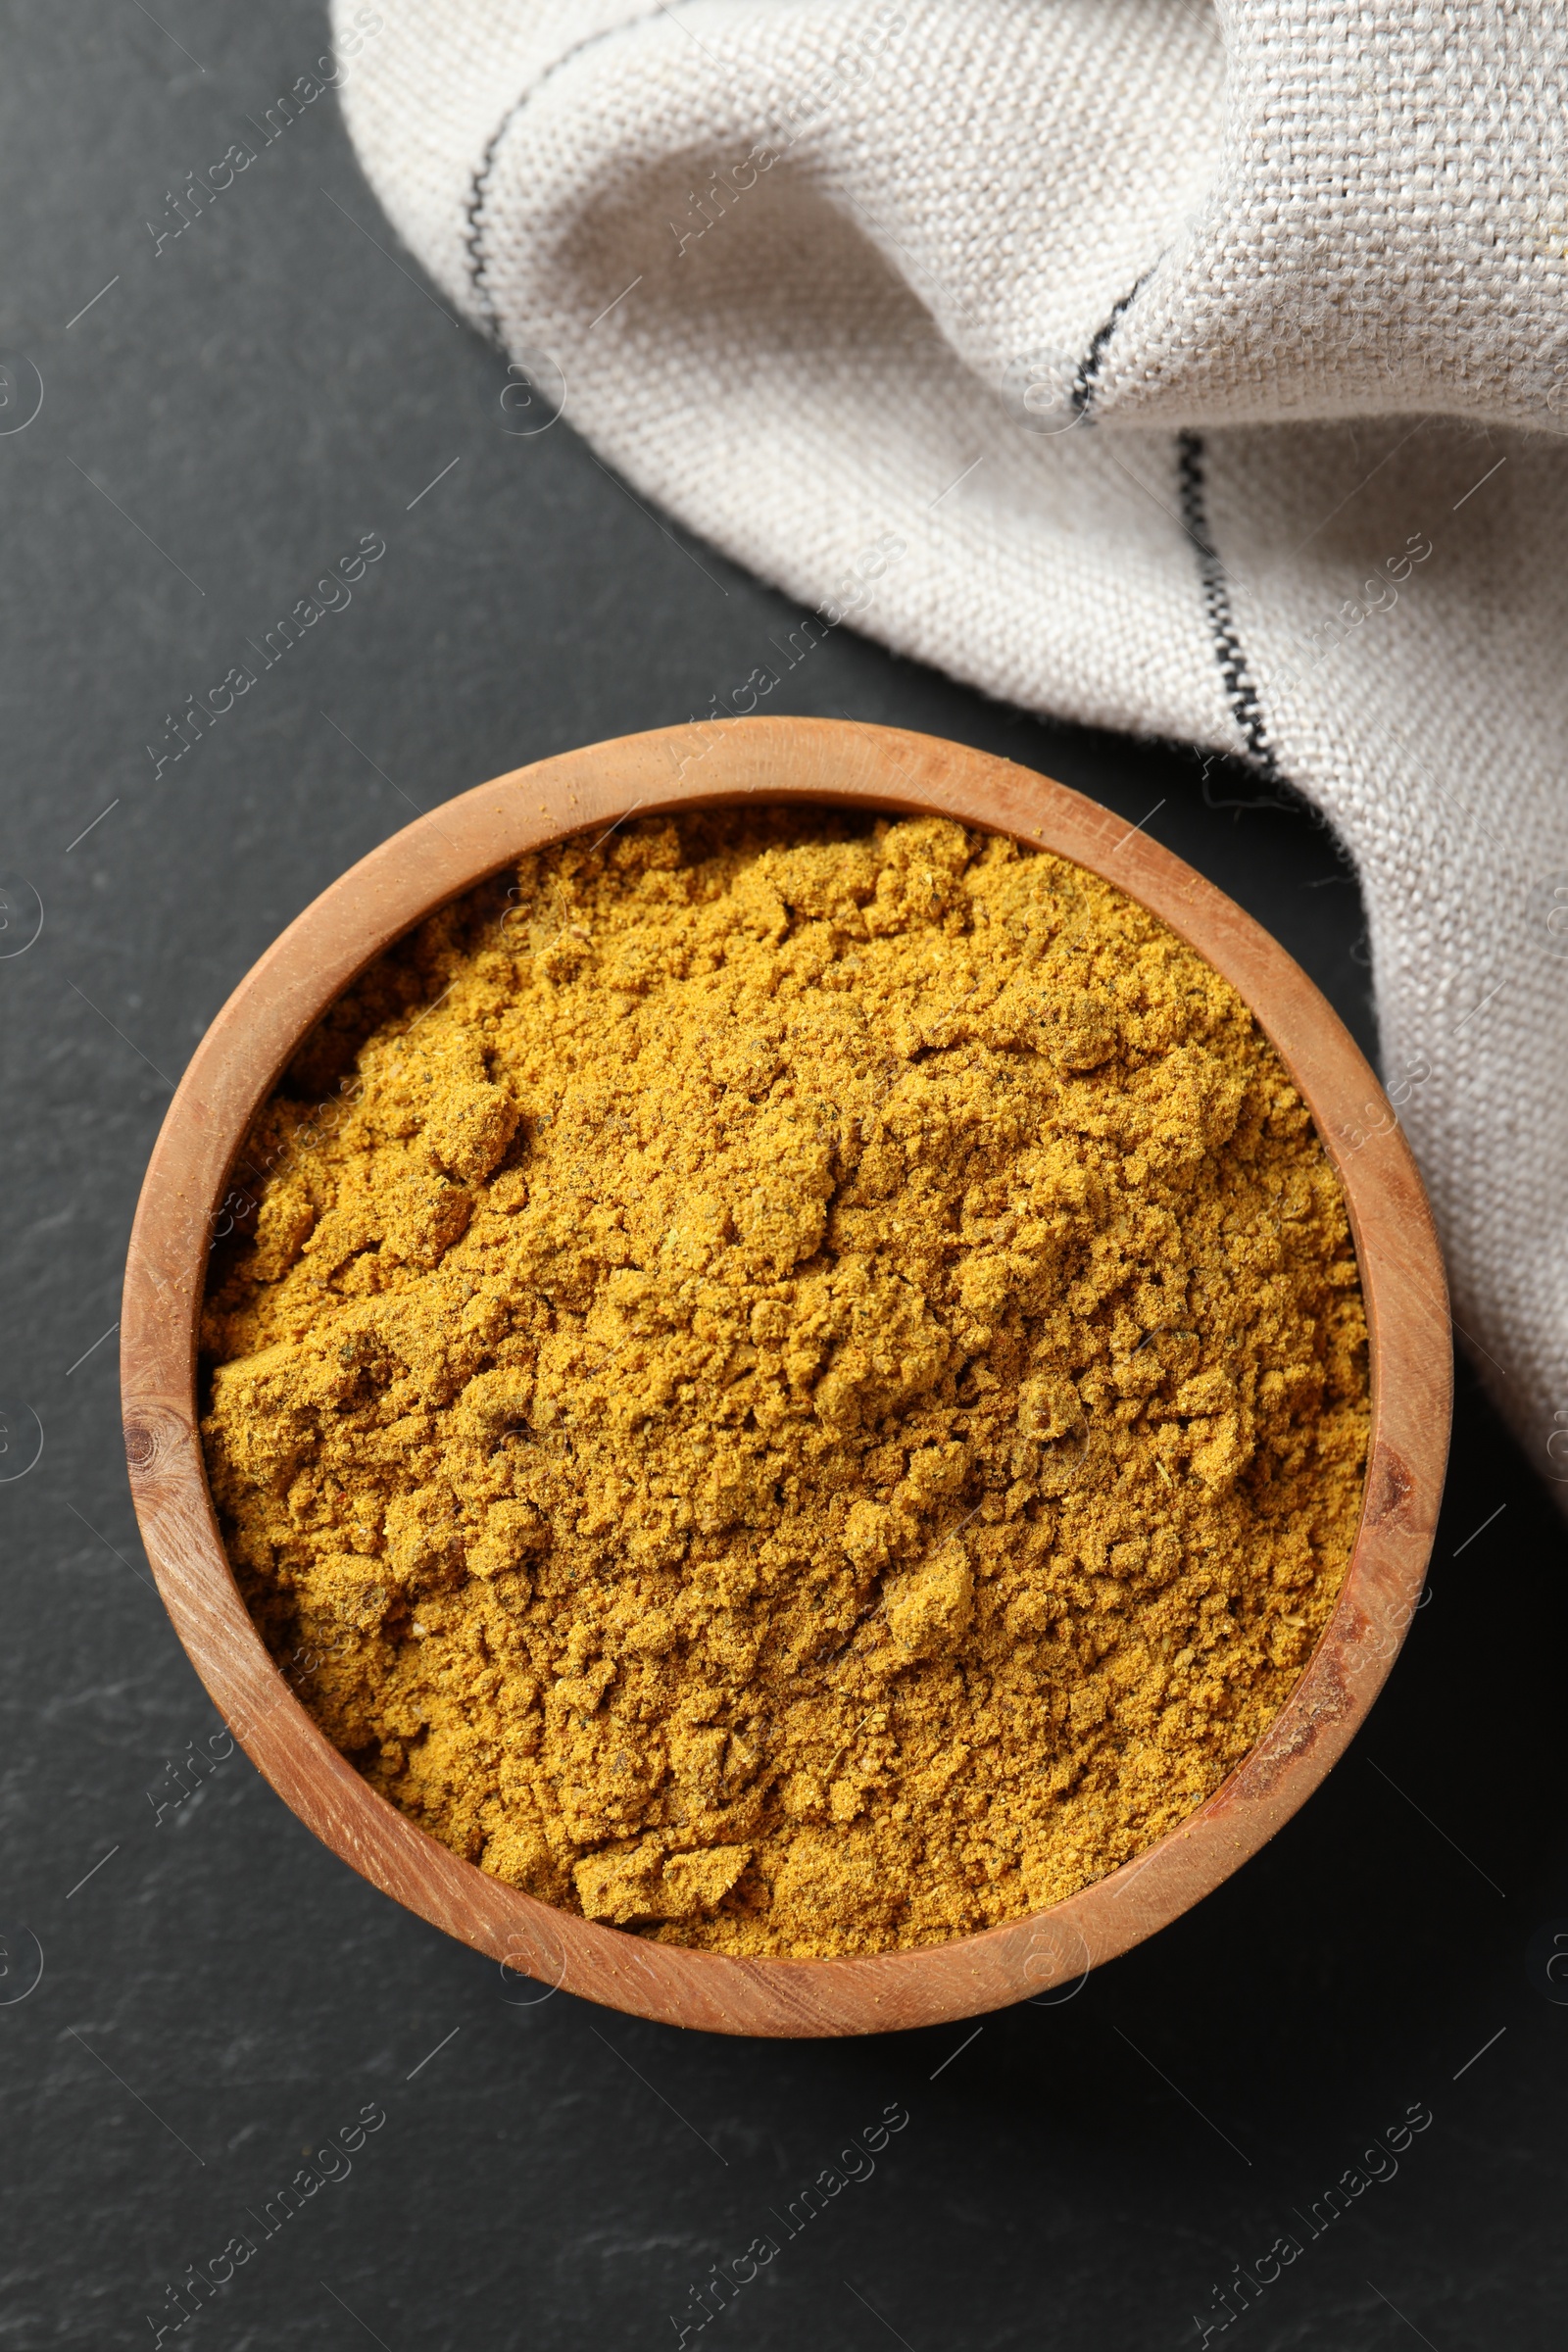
[803,1383]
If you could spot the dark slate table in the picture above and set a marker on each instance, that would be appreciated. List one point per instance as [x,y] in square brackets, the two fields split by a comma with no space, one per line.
[221,417]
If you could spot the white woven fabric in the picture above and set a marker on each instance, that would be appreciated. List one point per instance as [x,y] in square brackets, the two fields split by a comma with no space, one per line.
[1186,372]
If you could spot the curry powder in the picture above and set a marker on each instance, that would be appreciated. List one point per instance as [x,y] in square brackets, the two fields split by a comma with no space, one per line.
[809,1392]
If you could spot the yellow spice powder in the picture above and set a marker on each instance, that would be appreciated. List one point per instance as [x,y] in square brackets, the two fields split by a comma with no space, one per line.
[809,1391]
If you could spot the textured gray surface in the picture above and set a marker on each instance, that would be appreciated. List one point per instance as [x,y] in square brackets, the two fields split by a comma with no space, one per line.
[219,1995]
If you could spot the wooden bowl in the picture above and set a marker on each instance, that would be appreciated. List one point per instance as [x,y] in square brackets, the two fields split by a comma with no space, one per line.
[253,1037]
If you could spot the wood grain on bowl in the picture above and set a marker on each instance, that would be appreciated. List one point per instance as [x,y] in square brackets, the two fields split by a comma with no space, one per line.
[782,759]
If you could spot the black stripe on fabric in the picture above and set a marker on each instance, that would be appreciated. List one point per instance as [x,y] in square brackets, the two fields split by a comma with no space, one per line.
[1086,382]
[1240,689]
[473,234]
[479,186]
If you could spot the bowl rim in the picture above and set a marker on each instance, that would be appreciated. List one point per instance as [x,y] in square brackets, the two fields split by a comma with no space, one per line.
[448,852]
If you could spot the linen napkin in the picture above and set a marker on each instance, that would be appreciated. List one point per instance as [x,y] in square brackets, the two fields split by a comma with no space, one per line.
[1196,371]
